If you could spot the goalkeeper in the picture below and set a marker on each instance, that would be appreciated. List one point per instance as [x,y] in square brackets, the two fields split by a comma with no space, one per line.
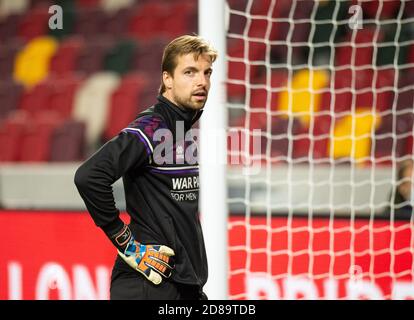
[161,252]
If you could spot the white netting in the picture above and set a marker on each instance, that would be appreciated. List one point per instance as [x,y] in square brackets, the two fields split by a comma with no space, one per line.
[330,86]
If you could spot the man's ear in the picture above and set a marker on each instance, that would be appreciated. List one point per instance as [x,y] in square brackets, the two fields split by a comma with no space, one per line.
[167,78]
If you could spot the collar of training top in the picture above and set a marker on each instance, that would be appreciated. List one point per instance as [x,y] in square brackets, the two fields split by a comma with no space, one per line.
[187,115]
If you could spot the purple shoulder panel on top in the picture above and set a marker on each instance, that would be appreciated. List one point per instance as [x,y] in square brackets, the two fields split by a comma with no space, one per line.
[144,128]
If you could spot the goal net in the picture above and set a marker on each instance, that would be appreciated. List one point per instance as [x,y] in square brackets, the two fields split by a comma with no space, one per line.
[320,102]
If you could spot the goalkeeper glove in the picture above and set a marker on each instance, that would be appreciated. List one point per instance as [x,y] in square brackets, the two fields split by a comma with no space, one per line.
[153,261]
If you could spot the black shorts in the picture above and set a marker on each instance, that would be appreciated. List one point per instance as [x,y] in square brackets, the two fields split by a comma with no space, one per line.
[128,284]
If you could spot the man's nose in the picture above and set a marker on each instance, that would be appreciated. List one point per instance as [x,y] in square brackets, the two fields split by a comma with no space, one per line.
[202,80]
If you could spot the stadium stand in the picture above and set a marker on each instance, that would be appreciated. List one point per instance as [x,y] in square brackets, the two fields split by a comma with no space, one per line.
[92,101]
[113,49]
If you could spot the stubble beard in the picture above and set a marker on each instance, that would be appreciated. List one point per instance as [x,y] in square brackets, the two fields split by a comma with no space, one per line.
[188,104]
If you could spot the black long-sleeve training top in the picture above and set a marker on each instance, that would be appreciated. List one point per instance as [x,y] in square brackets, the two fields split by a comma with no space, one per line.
[161,197]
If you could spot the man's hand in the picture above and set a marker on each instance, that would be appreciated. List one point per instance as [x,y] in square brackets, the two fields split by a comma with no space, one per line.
[153,261]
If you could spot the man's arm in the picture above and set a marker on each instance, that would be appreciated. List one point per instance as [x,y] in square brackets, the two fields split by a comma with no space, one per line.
[95,177]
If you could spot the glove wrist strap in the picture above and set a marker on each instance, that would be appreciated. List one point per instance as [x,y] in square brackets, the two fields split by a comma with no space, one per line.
[122,238]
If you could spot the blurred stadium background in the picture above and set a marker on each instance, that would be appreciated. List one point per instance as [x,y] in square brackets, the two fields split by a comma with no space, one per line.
[335,105]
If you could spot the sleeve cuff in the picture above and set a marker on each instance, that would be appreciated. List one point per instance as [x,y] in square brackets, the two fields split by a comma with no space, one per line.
[113,228]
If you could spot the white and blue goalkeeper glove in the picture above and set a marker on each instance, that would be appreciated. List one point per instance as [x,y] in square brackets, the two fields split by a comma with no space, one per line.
[153,261]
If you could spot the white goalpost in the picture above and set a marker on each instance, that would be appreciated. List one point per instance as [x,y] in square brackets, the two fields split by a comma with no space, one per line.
[320,98]
[213,191]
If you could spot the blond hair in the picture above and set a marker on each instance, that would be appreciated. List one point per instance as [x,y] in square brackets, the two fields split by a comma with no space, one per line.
[181,46]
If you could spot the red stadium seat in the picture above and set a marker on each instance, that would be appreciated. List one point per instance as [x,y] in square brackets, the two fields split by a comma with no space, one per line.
[36,99]
[379,9]
[91,57]
[145,23]
[124,105]
[410,58]
[237,69]
[89,22]
[258,99]
[237,5]
[280,8]
[409,9]
[256,50]
[9,146]
[34,23]
[318,147]
[338,98]
[292,33]
[258,120]
[357,48]
[10,93]
[384,86]
[363,87]
[177,19]
[148,56]
[409,149]
[321,132]
[390,138]
[65,59]
[279,78]
[35,143]
[260,7]
[259,96]
[87,3]
[352,86]
[62,95]
[11,132]
[31,134]
[7,57]
[8,27]
[68,142]
[237,24]
[258,28]
[116,23]
[405,97]
[283,132]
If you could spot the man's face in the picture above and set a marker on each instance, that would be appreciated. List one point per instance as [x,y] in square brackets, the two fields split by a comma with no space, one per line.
[190,83]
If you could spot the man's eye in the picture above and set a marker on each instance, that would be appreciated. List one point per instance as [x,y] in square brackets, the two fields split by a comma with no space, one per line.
[188,72]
